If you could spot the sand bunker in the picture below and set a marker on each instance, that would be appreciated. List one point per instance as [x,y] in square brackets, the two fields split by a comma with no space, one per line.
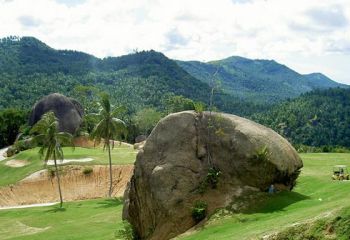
[41,187]
[59,162]
[16,163]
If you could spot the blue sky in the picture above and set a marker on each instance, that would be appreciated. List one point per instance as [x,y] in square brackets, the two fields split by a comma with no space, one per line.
[308,36]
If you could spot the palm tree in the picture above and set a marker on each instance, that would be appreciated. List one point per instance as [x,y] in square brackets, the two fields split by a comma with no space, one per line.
[50,142]
[108,128]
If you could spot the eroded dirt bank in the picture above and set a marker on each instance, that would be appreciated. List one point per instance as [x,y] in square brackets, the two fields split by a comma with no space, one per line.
[41,187]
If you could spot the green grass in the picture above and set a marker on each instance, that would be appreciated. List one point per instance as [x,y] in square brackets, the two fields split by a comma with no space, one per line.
[92,219]
[8,175]
[315,195]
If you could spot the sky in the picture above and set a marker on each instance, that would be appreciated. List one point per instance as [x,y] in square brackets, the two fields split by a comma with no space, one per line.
[306,35]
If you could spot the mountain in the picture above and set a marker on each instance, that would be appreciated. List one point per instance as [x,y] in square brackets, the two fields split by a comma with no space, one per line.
[317,118]
[29,69]
[257,80]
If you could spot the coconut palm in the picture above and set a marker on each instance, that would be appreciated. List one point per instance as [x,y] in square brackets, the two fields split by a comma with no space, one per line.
[50,142]
[108,129]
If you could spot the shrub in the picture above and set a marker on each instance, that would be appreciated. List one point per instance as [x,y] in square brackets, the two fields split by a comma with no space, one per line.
[199,211]
[127,232]
[212,180]
[88,170]
[213,177]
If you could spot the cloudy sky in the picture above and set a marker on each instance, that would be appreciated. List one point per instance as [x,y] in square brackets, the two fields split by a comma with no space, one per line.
[306,35]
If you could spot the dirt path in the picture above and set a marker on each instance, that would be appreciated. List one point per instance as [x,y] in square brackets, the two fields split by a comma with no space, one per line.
[41,187]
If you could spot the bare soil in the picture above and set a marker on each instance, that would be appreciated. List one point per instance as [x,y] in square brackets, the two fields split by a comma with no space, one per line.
[41,187]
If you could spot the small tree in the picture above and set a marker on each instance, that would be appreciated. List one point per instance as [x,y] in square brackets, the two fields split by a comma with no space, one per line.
[146,119]
[108,128]
[50,142]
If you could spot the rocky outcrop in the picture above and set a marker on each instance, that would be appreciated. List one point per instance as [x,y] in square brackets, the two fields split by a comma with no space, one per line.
[175,167]
[68,111]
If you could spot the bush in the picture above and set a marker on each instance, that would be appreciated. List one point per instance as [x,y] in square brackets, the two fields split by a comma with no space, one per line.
[199,211]
[88,170]
[213,177]
[127,233]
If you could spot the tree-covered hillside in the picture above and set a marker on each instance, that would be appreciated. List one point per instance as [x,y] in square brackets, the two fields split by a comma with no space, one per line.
[258,80]
[318,118]
[29,69]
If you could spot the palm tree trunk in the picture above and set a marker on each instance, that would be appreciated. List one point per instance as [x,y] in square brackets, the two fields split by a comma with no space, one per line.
[110,170]
[58,180]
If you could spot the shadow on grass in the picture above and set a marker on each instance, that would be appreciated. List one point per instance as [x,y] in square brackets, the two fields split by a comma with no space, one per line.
[56,209]
[110,202]
[278,201]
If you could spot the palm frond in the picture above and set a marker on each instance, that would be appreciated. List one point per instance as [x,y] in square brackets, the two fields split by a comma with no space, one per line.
[118,111]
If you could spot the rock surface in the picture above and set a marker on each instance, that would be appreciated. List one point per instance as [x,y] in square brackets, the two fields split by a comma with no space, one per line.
[171,169]
[68,111]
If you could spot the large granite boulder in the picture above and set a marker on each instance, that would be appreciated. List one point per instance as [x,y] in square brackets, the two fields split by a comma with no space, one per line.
[171,171]
[68,111]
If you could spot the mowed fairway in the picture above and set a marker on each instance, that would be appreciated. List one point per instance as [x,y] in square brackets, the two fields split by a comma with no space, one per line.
[315,196]
[92,219]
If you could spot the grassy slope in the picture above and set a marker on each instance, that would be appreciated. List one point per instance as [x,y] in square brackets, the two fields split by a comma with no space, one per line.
[92,219]
[315,195]
[9,175]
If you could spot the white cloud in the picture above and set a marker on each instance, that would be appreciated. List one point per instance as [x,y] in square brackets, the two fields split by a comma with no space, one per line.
[292,32]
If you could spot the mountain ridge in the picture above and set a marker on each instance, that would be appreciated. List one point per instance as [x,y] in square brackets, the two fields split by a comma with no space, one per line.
[143,77]
[257,79]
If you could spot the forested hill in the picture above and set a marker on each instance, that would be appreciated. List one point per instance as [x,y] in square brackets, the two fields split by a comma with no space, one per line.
[318,118]
[29,69]
[258,80]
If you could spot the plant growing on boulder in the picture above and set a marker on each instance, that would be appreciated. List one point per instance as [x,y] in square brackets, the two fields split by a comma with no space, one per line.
[199,211]
[127,232]
[213,177]
[50,142]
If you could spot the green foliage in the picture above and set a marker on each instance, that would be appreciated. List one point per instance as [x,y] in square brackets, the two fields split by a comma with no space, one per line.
[146,119]
[51,141]
[199,211]
[11,120]
[127,232]
[261,81]
[199,107]
[139,80]
[88,170]
[108,129]
[212,177]
[261,155]
[319,118]
[175,103]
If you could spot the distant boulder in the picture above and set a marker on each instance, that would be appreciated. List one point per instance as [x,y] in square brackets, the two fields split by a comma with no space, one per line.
[214,158]
[68,111]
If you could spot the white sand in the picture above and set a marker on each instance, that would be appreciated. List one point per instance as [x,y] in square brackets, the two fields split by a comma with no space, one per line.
[29,206]
[59,162]
[2,152]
